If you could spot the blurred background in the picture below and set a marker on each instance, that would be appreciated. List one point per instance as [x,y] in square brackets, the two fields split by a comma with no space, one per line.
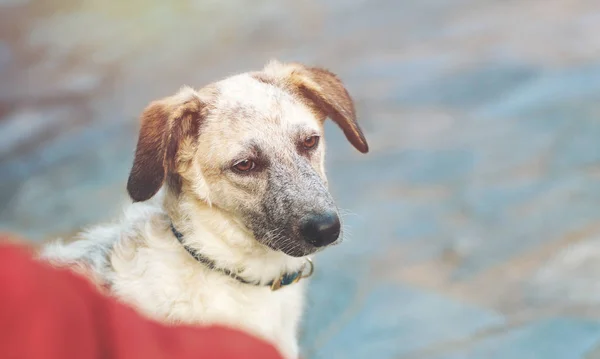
[474,222]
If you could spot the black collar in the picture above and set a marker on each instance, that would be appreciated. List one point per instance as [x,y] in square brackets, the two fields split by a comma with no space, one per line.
[284,279]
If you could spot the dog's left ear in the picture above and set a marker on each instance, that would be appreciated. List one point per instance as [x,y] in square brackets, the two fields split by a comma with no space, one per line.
[325,92]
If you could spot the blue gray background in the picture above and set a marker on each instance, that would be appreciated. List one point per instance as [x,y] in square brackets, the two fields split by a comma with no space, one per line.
[474,222]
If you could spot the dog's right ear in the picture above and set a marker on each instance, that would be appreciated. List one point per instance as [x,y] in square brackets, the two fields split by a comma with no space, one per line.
[164,124]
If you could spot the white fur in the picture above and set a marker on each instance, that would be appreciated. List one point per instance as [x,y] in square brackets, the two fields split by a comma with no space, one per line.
[148,268]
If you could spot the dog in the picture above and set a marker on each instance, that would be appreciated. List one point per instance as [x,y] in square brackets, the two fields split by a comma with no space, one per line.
[230,200]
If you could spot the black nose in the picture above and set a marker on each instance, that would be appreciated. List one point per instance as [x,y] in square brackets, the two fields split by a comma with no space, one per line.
[320,229]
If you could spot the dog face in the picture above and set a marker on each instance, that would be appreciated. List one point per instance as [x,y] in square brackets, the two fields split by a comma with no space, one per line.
[252,146]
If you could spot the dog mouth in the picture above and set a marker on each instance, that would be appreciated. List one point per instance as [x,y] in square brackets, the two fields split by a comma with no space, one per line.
[292,247]
[308,234]
[298,252]
[298,247]
[301,250]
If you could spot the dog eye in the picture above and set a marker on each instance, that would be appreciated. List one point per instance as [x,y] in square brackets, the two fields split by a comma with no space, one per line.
[310,142]
[244,165]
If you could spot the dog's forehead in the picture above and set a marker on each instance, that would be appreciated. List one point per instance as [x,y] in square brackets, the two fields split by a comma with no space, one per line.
[244,101]
[247,114]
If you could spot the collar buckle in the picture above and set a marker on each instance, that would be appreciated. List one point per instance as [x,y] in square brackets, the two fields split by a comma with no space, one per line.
[290,278]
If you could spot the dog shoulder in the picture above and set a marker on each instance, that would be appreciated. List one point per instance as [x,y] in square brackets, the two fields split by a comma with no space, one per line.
[93,246]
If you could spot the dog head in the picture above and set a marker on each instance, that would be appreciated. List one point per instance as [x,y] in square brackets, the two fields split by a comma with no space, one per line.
[252,146]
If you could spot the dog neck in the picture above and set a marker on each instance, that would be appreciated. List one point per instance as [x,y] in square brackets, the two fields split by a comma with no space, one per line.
[217,234]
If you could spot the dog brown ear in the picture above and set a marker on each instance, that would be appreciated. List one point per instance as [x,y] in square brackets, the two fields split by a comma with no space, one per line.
[326,93]
[164,124]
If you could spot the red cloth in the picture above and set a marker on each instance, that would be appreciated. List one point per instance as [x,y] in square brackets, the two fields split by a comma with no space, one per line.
[54,314]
